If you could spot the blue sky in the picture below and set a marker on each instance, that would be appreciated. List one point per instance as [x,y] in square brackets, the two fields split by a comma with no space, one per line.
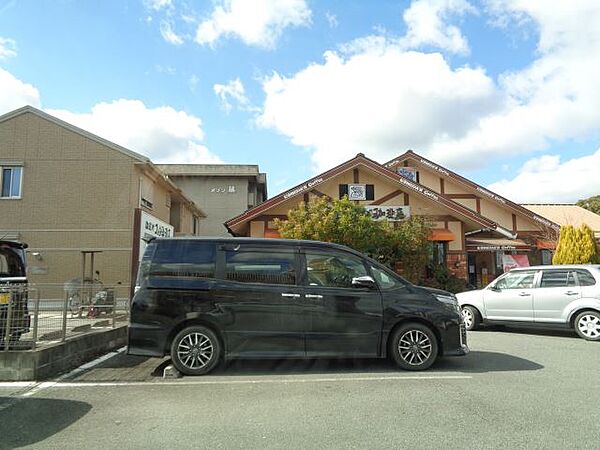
[502,91]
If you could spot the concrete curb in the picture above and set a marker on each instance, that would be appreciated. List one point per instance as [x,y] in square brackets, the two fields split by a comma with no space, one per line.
[51,360]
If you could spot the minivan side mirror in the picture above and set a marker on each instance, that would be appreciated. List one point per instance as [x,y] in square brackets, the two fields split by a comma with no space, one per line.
[494,288]
[363,282]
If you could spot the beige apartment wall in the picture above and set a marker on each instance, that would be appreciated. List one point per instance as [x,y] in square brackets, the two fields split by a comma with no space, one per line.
[77,194]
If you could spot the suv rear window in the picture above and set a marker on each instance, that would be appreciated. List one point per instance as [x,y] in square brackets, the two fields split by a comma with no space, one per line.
[181,258]
[585,278]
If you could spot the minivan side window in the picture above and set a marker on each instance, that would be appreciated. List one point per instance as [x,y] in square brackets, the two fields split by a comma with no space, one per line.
[384,280]
[333,269]
[183,258]
[585,278]
[557,278]
[268,267]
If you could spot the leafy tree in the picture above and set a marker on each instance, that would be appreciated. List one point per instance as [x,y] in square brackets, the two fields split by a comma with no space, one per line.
[592,204]
[576,246]
[344,222]
[339,221]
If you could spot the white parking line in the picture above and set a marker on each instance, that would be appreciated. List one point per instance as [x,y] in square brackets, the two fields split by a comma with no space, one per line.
[66,384]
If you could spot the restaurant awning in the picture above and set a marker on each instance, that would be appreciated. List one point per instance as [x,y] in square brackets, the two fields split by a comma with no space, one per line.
[496,244]
[441,234]
[545,245]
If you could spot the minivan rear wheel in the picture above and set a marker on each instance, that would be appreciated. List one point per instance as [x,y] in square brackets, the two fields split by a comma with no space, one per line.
[195,350]
[587,325]
[414,347]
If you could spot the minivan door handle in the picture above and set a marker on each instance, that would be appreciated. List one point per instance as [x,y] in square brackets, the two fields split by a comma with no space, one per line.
[313,296]
[571,293]
[290,295]
[524,294]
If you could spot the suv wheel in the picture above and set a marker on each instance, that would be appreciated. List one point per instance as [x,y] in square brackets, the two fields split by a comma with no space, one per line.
[414,347]
[471,318]
[195,350]
[587,325]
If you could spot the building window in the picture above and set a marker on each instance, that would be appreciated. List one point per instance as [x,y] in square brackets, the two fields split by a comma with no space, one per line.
[546,257]
[11,181]
[438,253]
[195,228]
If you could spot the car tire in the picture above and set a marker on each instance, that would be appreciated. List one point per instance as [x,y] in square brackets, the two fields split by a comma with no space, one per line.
[471,317]
[414,347]
[195,350]
[587,325]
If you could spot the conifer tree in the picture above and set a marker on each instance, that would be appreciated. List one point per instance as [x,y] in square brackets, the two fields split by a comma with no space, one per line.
[576,246]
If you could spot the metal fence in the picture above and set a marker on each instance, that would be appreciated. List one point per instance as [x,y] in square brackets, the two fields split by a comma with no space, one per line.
[36,315]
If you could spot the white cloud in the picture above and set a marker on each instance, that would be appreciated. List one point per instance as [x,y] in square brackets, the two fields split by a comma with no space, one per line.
[8,48]
[166,31]
[15,93]
[376,96]
[157,5]
[555,98]
[232,91]
[546,179]
[258,23]
[380,101]
[426,22]
[163,133]
[331,19]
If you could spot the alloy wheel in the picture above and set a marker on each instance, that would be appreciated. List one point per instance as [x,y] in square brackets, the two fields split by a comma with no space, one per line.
[414,347]
[468,318]
[589,326]
[195,350]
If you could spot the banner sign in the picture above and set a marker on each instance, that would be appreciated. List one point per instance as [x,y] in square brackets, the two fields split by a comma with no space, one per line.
[151,227]
[390,213]
[512,261]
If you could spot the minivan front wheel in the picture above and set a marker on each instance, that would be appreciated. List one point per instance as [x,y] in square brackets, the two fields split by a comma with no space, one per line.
[414,347]
[195,350]
[587,325]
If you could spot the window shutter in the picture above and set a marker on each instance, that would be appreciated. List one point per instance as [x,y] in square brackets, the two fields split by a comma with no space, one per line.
[343,190]
[370,188]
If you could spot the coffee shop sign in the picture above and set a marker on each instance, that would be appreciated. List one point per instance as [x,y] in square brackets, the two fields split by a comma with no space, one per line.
[303,187]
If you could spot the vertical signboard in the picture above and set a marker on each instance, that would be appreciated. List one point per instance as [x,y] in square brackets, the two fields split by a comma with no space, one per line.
[145,227]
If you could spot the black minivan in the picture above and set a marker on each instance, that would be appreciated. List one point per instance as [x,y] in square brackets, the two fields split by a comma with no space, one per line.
[13,291]
[201,300]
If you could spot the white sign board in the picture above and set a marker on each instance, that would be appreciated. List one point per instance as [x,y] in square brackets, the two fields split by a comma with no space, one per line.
[408,172]
[357,192]
[389,213]
[151,227]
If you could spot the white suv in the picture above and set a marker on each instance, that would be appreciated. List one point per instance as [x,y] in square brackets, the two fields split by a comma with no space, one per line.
[548,296]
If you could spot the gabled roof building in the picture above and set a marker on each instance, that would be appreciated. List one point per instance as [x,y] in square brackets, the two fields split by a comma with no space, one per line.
[473,228]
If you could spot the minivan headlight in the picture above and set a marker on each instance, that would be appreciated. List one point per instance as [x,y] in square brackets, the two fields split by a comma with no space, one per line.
[450,301]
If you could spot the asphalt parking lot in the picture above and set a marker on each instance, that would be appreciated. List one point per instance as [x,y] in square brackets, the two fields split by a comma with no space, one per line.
[516,389]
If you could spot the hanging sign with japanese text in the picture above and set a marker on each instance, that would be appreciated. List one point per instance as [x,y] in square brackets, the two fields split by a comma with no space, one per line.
[390,213]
